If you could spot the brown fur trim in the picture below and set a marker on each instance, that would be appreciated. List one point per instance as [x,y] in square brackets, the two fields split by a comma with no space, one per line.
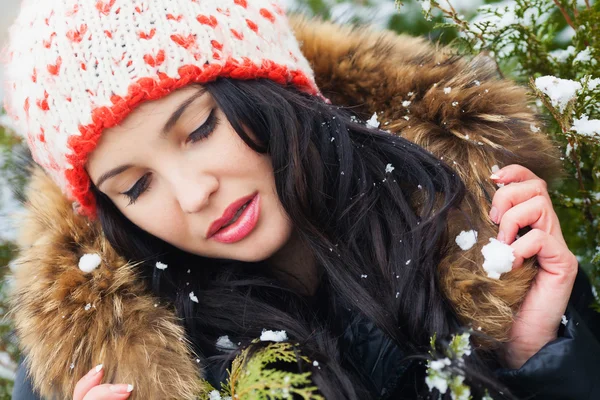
[482,121]
[138,343]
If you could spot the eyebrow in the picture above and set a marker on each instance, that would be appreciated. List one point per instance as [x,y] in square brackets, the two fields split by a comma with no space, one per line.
[164,132]
[179,112]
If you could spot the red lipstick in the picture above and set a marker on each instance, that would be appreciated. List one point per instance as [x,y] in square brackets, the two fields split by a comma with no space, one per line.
[236,223]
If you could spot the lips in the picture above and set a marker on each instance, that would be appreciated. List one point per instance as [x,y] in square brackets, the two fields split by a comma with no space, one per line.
[231,211]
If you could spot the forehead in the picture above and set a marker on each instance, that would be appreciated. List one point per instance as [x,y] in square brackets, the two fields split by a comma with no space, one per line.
[153,113]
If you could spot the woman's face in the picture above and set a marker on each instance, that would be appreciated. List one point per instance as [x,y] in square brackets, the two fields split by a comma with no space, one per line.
[177,169]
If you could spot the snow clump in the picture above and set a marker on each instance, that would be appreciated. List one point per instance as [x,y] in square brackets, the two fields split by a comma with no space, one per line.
[586,127]
[498,258]
[466,239]
[193,297]
[373,123]
[389,168]
[161,266]
[89,262]
[560,91]
[224,343]
[439,378]
[273,336]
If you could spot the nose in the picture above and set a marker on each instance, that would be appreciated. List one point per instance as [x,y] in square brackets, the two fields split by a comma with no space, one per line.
[193,193]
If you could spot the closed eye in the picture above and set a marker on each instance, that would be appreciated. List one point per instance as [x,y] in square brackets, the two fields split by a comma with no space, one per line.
[141,186]
[205,129]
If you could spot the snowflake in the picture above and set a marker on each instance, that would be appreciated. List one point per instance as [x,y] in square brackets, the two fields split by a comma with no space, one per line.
[193,297]
[466,239]
[89,262]
[161,266]
[373,123]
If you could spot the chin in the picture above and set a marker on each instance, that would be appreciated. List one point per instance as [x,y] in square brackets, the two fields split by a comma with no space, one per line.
[260,248]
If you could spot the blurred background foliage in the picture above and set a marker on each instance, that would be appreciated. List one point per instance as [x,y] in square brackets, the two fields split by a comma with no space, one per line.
[527,38]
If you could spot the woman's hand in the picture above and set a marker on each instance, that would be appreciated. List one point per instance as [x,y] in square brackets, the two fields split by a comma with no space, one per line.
[89,388]
[524,201]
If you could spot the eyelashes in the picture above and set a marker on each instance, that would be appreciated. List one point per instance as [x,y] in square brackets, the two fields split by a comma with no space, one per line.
[203,132]
[205,129]
[141,186]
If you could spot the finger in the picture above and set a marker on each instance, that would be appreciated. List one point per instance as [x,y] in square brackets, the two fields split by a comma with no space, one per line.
[513,173]
[553,256]
[109,392]
[511,195]
[88,381]
[537,213]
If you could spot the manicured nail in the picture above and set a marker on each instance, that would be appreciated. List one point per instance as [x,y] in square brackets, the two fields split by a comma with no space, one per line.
[494,214]
[94,371]
[121,388]
[501,236]
[494,176]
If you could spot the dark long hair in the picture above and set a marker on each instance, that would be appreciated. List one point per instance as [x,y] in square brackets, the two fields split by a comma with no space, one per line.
[358,216]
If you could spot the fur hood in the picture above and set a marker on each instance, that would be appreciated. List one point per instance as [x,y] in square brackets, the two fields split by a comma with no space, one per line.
[68,321]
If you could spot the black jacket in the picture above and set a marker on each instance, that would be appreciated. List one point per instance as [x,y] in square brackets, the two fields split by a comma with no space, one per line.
[566,368]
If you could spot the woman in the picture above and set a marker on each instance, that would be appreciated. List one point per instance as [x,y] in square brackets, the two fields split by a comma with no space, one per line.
[219,196]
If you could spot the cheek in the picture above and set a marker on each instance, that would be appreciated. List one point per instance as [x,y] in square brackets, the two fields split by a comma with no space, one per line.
[165,224]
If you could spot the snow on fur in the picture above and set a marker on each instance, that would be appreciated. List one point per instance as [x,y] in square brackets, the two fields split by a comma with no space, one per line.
[89,262]
[498,258]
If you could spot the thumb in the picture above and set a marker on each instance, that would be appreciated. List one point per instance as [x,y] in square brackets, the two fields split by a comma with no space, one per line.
[88,381]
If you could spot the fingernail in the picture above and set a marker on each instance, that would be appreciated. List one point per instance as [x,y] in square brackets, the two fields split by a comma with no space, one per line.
[121,388]
[501,236]
[494,176]
[94,371]
[494,214]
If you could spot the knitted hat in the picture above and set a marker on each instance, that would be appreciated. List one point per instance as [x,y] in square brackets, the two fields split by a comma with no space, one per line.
[76,67]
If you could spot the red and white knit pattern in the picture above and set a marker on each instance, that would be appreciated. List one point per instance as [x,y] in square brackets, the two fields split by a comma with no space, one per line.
[76,67]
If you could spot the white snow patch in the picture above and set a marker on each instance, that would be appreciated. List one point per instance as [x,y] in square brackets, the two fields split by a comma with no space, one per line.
[561,55]
[584,56]
[273,336]
[466,239]
[88,306]
[389,168]
[193,297]
[586,127]
[438,379]
[564,320]
[373,123]
[560,91]
[495,168]
[447,90]
[593,83]
[406,103]
[89,262]
[161,266]
[224,343]
[214,395]
[498,258]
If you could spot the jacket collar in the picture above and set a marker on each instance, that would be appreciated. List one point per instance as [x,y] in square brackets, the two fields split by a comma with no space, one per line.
[68,321]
